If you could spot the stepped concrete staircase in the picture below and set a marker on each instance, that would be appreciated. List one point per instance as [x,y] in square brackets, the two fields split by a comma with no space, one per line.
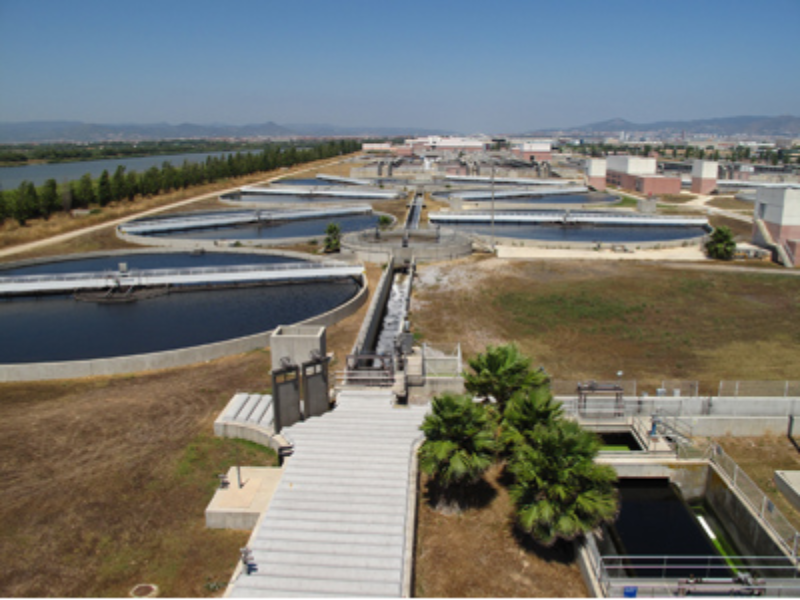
[767,240]
[341,520]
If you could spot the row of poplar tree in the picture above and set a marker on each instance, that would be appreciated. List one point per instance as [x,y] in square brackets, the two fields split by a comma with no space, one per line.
[28,201]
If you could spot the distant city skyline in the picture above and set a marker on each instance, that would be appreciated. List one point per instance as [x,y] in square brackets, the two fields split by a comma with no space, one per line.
[469,67]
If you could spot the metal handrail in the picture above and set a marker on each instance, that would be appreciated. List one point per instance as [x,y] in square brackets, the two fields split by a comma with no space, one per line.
[175,271]
[766,512]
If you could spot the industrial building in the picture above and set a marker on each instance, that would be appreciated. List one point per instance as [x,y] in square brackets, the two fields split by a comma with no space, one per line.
[639,174]
[704,176]
[534,150]
[595,171]
[779,209]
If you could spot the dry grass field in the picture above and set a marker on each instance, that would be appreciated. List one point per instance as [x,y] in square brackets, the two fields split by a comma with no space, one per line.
[731,203]
[107,479]
[477,554]
[590,319]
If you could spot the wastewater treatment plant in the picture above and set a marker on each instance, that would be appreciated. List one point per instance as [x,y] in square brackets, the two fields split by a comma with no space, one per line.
[292,264]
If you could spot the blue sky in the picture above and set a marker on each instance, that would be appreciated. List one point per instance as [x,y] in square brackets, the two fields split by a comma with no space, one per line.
[466,66]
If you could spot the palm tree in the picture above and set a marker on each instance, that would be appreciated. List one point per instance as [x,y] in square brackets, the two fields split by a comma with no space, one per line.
[333,233]
[526,409]
[459,445]
[721,245]
[501,371]
[559,491]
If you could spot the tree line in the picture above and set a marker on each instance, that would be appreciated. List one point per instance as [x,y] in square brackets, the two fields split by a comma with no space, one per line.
[28,201]
[683,152]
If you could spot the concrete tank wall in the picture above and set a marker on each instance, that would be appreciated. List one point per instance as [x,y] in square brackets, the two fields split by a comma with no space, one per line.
[169,358]
[748,534]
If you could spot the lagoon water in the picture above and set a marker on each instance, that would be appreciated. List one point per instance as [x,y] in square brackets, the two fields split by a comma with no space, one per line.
[11,177]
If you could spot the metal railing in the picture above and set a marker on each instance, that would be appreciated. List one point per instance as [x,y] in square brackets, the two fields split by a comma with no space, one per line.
[768,514]
[440,363]
[698,575]
[192,271]
[365,378]
[567,387]
[672,575]
[789,254]
[685,388]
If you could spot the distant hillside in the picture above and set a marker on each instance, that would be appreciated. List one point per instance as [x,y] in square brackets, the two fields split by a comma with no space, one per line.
[76,131]
[745,125]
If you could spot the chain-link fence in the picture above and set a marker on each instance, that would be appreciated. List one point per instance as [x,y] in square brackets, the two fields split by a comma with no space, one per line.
[680,387]
[759,388]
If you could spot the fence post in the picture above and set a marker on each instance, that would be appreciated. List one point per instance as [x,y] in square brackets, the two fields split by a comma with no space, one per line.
[735,472]
[736,393]
[763,507]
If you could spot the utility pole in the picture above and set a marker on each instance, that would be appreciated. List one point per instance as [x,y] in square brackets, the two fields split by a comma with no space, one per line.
[493,242]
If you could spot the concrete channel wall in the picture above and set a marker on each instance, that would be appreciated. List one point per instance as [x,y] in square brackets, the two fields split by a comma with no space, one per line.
[170,358]
[372,322]
[378,254]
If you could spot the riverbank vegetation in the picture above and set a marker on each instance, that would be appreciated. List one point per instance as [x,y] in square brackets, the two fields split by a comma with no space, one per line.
[24,154]
[29,202]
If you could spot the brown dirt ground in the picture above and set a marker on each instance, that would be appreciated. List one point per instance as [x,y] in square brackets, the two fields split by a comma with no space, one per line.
[477,555]
[106,479]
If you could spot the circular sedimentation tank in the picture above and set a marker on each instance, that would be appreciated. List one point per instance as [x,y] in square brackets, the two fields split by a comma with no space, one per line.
[301,229]
[532,198]
[585,234]
[59,327]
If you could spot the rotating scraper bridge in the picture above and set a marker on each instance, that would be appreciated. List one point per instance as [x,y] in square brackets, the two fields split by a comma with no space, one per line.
[124,279]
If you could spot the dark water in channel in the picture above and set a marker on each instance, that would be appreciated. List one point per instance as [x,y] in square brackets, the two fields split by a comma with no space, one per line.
[59,328]
[655,521]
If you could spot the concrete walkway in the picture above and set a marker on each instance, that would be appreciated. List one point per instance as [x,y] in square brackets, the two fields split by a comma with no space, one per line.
[338,523]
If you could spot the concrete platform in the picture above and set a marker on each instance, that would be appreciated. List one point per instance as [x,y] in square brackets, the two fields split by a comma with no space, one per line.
[240,507]
[788,482]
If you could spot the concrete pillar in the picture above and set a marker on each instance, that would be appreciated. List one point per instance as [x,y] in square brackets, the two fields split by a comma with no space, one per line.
[297,344]
[595,171]
[704,176]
